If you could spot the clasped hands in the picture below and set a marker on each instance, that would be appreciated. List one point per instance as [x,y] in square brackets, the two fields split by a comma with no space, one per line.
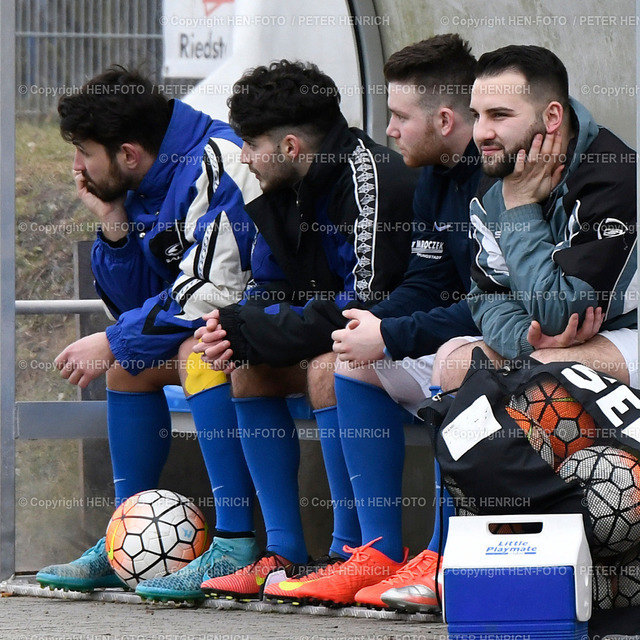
[213,345]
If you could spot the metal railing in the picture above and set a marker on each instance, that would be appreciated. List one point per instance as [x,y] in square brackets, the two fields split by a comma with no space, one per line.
[33,307]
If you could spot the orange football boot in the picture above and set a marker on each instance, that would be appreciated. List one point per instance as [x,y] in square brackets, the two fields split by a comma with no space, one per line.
[339,585]
[287,590]
[246,583]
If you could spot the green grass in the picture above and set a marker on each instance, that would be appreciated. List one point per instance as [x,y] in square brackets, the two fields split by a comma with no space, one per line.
[52,522]
[49,219]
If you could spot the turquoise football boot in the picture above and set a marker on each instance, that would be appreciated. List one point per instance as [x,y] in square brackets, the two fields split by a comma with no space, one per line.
[90,571]
[224,556]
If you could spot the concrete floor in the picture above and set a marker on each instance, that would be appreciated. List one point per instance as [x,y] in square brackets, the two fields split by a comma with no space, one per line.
[27,618]
[30,613]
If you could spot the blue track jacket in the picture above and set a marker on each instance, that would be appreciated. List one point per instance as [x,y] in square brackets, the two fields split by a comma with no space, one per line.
[188,226]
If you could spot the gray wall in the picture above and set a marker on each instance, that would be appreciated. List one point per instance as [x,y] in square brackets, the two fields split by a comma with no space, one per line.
[595,40]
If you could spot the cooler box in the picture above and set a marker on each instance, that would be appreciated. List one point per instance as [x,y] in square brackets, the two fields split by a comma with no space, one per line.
[517,585]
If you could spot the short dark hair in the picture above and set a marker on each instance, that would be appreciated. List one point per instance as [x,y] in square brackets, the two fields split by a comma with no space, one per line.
[284,94]
[115,107]
[544,71]
[442,66]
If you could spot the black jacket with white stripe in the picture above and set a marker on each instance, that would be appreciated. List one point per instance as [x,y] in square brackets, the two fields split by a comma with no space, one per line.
[341,238]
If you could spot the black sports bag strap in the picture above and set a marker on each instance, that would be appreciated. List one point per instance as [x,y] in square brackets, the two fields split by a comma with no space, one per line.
[482,449]
[433,412]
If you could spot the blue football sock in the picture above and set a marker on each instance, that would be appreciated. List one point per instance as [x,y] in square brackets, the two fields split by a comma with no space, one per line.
[443,501]
[139,426]
[443,511]
[346,527]
[270,444]
[217,426]
[372,435]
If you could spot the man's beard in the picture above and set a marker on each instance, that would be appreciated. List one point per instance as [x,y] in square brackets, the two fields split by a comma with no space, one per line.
[500,167]
[114,188]
[280,175]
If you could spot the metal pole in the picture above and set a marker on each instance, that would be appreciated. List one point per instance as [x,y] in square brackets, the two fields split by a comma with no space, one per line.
[29,307]
[371,58]
[7,289]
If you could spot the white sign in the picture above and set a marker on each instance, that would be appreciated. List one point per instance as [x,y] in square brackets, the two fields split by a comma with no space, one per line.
[198,36]
[308,30]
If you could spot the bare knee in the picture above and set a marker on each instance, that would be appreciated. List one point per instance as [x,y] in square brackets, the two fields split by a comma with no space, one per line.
[186,349]
[147,381]
[119,379]
[184,352]
[247,381]
[261,380]
[451,364]
[362,374]
[320,380]
[453,360]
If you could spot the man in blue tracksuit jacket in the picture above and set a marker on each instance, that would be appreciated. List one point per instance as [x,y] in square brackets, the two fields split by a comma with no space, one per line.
[188,208]
[167,185]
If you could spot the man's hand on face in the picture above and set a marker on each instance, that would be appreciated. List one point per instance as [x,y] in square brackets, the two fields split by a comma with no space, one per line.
[536,173]
[112,215]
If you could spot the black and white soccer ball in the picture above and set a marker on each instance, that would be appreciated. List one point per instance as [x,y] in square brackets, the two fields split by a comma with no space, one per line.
[610,479]
[154,533]
[626,586]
